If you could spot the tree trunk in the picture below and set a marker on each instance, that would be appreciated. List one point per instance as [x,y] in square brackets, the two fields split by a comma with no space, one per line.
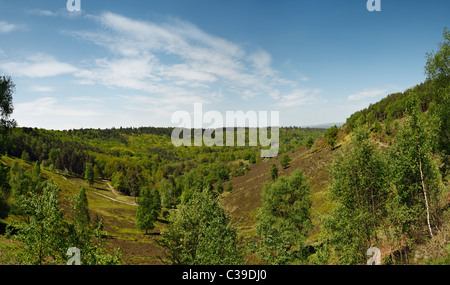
[425,195]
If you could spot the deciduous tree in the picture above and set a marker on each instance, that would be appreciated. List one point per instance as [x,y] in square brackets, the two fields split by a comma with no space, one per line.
[360,189]
[284,219]
[200,233]
[149,208]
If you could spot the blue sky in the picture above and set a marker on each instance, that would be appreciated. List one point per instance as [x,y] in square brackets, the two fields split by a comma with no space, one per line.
[135,63]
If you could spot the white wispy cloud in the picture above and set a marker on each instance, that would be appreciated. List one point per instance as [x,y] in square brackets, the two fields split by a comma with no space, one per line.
[41,89]
[86,99]
[299,97]
[52,113]
[41,12]
[37,66]
[174,57]
[6,27]
[51,106]
[367,93]
[169,65]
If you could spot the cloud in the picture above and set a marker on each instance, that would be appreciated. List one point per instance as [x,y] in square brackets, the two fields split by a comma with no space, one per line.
[41,89]
[50,113]
[86,99]
[170,102]
[160,67]
[37,66]
[367,93]
[299,97]
[175,57]
[41,12]
[49,106]
[7,27]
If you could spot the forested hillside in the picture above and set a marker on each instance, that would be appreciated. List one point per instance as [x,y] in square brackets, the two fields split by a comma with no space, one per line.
[128,196]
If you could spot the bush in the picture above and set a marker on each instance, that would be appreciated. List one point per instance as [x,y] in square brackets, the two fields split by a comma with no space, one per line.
[285,160]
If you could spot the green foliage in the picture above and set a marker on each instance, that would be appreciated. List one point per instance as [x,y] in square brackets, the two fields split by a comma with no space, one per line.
[149,208]
[118,181]
[360,189]
[7,89]
[47,236]
[247,155]
[284,219]
[285,160]
[81,209]
[4,179]
[332,135]
[437,66]
[309,142]
[23,185]
[91,243]
[229,186]
[135,157]
[167,192]
[200,233]
[415,177]
[4,207]
[5,189]
[370,118]
[219,187]
[25,156]
[42,236]
[377,127]
[250,156]
[438,69]
[273,172]
[89,174]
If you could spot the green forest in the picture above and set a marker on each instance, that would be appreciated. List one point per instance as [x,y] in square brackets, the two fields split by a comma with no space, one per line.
[128,196]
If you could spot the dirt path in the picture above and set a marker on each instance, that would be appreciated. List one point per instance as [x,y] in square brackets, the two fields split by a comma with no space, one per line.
[110,198]
[116,193]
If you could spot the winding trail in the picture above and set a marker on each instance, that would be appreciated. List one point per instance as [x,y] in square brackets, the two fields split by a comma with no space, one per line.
[131,204]
[114,191]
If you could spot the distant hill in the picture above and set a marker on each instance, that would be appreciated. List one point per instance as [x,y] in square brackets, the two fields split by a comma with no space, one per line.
[324,126]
